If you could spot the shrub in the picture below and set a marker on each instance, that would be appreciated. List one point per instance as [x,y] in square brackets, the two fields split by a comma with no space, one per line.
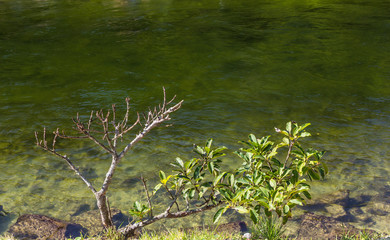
[198,184]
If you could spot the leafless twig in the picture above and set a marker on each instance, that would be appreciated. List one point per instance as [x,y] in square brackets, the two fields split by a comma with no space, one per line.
[147,196]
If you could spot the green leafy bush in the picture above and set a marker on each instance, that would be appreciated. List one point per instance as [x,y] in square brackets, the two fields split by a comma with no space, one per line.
[269,183]
[264,183]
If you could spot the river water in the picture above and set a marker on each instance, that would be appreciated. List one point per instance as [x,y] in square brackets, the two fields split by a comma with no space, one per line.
[241,66]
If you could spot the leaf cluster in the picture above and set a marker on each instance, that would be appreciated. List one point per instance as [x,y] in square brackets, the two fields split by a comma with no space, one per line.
[195,182]
[274,177]
[267,183]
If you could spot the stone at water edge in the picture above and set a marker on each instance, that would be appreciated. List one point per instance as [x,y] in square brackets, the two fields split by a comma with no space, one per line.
[32,226]
[247,236]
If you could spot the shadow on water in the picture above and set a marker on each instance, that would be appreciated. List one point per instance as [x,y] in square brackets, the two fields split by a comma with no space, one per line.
[5,219]
[351,207]
[82,208]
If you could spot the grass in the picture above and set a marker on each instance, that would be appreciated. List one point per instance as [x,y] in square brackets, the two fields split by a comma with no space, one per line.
[177,234]
[7,237]
[191,235]
[362,235]
[268,228]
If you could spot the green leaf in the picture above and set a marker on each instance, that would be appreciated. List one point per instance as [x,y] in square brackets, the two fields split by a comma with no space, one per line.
[199,150]
[305,134]
[272,182]
[211,167]
[288,127]
[264,203]
[231,179]
[180,162]
[137,206]
[191,193]
[313,174]
[241,209]
[254,216]
[226,194]
[156,188]
[218,214]
[252,137]
[218,150]
[286,209]
[264,191]
[209,142]
[164,181]
[203,190]
[304,126]
[238,195]
[294,177]
[162,175]
[243,181]
[197,172]
[296,201]
[285,133]
[218,178]
[307,194]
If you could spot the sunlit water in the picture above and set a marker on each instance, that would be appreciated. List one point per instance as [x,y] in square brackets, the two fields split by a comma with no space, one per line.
[241,66]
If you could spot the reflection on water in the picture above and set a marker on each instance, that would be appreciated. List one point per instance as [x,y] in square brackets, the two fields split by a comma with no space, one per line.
[240,66]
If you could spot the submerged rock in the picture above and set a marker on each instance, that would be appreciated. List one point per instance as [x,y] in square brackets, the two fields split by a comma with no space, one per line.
[31,226]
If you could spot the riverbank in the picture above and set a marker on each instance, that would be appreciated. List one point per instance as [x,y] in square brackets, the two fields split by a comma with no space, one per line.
[311,226]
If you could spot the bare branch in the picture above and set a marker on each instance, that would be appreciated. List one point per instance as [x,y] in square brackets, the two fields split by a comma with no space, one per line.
[110,131]
[166,214]
[81,129]
[71,165]
[90,121]
[164,116]
[147,195]
[62,135]
[155,120]
[174,199]
[55,138]
[126,118]
[113,115]
[128,128]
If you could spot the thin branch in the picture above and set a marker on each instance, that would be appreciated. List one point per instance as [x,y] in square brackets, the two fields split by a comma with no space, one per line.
[173,197]
[90,121]
[127,129]
[164,117]
[71,165]
[126,118]
[148,196]
[289,152]
[166,214]
[113,115]
[80,127]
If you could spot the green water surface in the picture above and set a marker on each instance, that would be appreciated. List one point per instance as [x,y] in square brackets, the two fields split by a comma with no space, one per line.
[241,66]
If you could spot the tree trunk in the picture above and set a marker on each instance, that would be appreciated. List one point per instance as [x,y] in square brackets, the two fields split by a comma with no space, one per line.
[104,210]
